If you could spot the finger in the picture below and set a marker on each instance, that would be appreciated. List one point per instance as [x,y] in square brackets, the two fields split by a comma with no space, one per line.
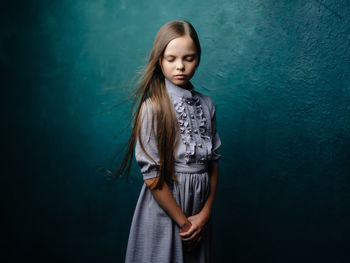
[199,231]
[186,227]
[190,237]
[188,233]
[190,241]
[190,230]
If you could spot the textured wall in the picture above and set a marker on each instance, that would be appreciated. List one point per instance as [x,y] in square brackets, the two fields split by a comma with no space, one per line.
[279,74]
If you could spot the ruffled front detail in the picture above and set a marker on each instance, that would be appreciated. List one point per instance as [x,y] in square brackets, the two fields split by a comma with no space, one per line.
[185,130]
[195,118]
[201,119]
[192,124]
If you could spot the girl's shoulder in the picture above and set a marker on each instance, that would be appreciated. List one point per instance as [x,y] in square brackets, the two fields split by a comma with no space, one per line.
[148,105]
[147,109]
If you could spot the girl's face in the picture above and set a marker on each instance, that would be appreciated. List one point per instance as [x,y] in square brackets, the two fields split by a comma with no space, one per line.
[179,60]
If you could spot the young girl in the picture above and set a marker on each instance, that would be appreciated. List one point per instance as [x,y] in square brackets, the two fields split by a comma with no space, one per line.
[176,148]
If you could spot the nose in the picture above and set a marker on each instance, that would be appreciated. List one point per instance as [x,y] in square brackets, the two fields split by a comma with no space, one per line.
[180,65]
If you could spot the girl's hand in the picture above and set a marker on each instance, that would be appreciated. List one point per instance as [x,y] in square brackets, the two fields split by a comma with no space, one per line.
[186,226]
[193,235]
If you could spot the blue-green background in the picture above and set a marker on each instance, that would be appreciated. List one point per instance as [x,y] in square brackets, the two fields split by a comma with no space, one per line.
[279,74]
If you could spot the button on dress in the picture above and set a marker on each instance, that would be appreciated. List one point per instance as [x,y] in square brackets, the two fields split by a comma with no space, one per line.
[154,236]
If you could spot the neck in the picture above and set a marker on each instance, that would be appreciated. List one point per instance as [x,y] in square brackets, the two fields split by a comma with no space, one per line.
[187,86]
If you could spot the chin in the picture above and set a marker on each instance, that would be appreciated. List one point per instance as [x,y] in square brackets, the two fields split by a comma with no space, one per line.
[180,82]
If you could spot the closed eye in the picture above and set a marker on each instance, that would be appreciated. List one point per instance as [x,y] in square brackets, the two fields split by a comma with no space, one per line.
[170,58]
[190,58]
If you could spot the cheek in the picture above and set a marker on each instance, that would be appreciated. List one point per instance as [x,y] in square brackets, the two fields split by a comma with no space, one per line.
[193,67]
[167,66]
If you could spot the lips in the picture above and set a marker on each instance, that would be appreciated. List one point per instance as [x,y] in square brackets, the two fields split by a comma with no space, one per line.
[180,76]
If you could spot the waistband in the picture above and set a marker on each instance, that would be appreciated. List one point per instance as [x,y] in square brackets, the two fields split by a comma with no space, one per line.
[191,168]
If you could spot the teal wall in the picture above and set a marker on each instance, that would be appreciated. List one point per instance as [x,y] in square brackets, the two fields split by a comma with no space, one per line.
[279,74]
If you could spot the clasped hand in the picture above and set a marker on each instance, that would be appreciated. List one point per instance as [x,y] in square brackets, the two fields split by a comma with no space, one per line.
[191,234]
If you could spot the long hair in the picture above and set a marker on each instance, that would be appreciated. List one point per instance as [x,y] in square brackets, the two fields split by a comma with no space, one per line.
[152,86]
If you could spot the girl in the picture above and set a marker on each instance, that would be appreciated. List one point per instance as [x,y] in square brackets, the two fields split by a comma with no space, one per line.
[176,149]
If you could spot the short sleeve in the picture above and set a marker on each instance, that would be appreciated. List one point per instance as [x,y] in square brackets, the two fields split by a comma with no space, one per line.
[149,167]
[216,142]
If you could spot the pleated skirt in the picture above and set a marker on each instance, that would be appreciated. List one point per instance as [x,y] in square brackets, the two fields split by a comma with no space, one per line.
[154,236]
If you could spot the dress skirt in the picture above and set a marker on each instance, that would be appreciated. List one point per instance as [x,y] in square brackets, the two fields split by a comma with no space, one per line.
[154,236]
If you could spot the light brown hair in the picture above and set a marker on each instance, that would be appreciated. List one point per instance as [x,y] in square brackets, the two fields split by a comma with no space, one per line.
[152,87]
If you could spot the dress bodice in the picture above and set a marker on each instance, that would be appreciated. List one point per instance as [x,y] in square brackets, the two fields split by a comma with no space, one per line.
[198,140]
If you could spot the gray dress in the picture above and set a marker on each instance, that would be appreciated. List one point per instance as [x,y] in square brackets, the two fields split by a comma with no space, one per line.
[154,236]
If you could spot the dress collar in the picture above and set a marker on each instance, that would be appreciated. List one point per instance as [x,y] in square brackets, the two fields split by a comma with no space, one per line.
[179,91]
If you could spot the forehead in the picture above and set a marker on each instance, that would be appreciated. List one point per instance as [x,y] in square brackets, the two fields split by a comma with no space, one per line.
[180,46]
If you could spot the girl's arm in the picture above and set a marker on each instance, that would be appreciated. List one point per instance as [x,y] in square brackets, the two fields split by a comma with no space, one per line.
[149,166]
[199,220]
[148,160]
[166,200]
